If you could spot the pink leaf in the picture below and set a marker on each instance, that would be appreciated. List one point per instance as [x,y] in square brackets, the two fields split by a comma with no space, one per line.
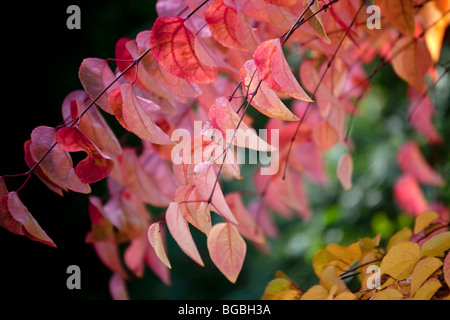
[179,229]
[204,180]
[136,115]
[30,226]
[227,250]
[118,287]
[95,76]
[325,136]
[411,161]
[57,164]
[275,71]
[225,119]
[409,196]
[345,171]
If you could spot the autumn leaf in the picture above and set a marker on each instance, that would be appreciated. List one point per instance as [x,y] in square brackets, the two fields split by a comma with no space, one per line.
[411,161]
[400,14]
[265,99]
[403,235]
[345,170]
[411,61]
[284,3]
[179,229]
[400,260]
[136,115]
[30,226]
[325,136]
[424,220]
[315,21]
[118,288]
[96,166]
[95,76]
[204,181]
[437,245]
[227,249]
[154,236]
[274,70]
[409,195]
[57,165]
[427,290]
[388,294]
[173,46]
[422,271]
[229,28]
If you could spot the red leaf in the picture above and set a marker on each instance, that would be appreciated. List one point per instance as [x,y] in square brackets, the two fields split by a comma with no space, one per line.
[411,161]
[409,196]
[227,250]
[95,166]
[274,70]
[92,124]
[265,100]
[174,47]
[30,226]
[179,229]
[228,27]
[6,219]
[57,164]
[95,76]
[204,179]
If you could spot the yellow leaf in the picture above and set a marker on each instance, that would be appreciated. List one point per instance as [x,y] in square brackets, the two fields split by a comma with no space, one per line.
[436,245]
[424,220]
[349,254]
[427,291]
[400,260]
[286,295]
[423,270]
[345,296]
[402,235]
[321,260]
[316,292]
[387,294]
[331,278]
[275,286]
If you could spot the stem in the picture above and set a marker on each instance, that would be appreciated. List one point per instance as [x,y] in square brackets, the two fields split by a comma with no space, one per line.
[196,9]
[319,84]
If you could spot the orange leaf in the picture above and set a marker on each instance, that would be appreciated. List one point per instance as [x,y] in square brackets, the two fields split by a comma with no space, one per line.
[274,70]
[345,170]
[325,136]
[411,61]
[173,46]
[399,13]
[227,249]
